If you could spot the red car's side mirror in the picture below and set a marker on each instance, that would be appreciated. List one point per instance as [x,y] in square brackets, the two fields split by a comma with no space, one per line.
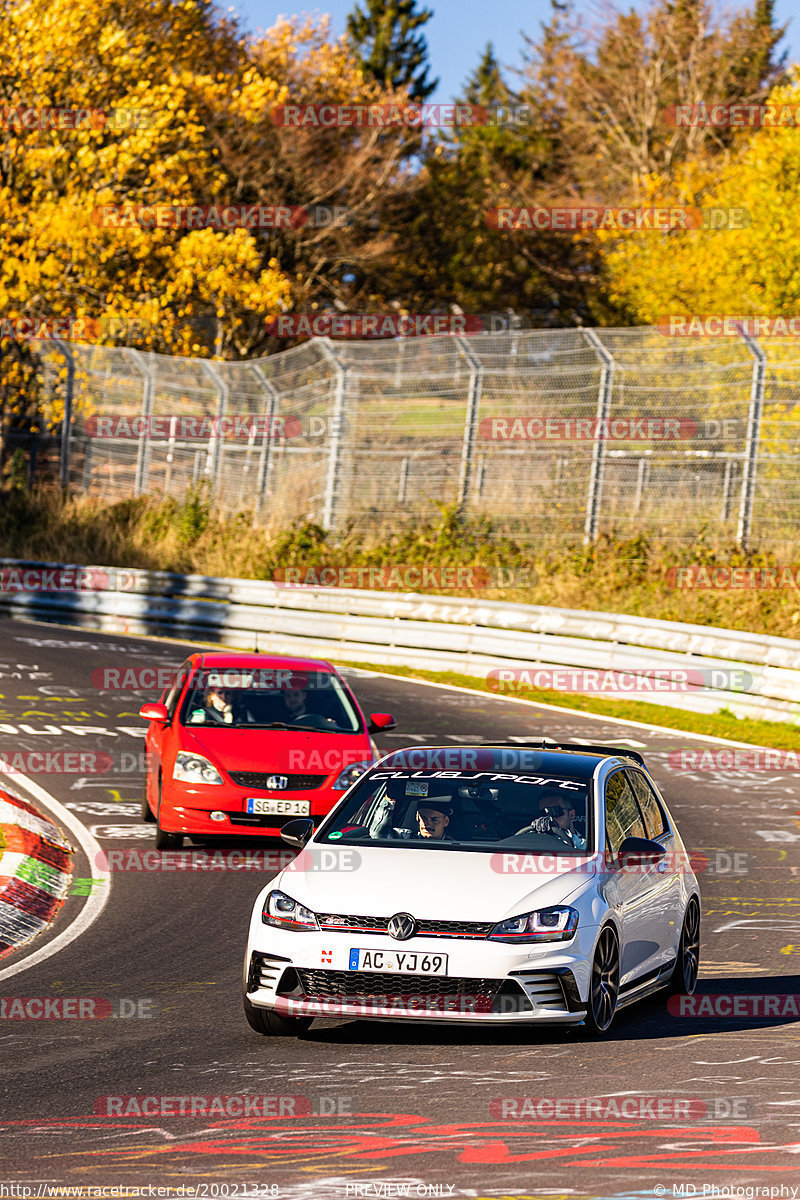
[154,712]
[379,722]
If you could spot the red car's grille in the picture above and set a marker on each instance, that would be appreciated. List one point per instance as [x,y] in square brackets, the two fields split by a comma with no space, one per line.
[258,780]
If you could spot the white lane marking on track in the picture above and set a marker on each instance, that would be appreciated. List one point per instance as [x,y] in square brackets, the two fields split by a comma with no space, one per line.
[95,901]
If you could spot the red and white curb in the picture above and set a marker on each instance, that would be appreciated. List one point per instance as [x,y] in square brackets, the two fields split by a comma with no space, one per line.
[35,870]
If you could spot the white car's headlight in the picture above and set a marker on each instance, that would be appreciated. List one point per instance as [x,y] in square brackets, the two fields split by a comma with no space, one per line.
[350,774]
[193,768]
[283,912]
[556,924]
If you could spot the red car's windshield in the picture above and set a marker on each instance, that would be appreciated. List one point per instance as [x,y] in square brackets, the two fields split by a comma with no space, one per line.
[266,698]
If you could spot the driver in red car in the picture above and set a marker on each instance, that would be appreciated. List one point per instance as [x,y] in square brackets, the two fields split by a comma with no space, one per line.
[294,699]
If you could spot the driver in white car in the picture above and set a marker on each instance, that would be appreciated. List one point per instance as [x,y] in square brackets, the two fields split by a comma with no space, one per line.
[433,817]
[559,821]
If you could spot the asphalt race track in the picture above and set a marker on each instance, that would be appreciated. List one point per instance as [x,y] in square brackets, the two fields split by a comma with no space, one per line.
[363,1108]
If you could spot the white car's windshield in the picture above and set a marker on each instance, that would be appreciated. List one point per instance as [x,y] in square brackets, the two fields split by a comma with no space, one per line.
[269,699]
[473,810]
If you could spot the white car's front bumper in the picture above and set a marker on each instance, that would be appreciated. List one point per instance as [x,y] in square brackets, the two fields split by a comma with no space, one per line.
[308,974]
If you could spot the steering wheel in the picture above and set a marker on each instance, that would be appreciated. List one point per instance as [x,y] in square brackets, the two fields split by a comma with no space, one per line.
[489,823]
[320,720]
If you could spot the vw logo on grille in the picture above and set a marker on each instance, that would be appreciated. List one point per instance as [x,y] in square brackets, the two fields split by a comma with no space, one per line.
[277,783]
[401,926]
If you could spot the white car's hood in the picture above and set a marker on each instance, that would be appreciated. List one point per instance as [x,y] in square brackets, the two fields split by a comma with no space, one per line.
[430,884]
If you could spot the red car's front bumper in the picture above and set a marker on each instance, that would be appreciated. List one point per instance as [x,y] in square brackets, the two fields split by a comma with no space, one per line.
[188,810]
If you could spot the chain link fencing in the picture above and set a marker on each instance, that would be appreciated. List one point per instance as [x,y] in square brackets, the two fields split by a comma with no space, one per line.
[556,435]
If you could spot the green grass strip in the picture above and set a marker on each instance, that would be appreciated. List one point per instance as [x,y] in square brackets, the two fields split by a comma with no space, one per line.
[778,735]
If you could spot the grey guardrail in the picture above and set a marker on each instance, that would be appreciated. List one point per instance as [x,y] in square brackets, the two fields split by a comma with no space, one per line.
[756,675]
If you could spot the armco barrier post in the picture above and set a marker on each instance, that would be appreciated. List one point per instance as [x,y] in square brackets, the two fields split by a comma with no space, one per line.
[471,420]
[753,438]
[214,456]
[66,421]
[143,366]
[330,510]
[599,445]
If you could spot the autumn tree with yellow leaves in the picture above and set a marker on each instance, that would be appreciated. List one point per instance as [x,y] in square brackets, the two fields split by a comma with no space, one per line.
[166,104]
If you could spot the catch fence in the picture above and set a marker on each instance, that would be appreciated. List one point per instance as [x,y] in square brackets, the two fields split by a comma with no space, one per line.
[556,435]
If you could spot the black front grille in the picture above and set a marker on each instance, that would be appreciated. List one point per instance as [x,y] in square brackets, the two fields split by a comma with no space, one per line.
[258,780]
[463,929]
[347,923]
[333,923]
[400,989]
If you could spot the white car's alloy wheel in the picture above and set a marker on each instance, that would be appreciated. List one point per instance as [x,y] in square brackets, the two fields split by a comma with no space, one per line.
[604,987]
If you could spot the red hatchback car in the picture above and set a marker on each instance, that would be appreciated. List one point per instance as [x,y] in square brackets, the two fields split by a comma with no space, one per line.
[241,742]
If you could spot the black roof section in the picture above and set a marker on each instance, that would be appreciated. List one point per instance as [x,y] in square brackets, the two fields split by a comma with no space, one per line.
[576,747]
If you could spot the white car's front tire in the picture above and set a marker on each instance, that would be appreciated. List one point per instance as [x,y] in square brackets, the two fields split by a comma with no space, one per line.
[603,984]
[272,1024]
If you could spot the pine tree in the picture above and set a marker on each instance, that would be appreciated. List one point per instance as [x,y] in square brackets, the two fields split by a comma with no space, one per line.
[753,66]
[391,51]
[486,84]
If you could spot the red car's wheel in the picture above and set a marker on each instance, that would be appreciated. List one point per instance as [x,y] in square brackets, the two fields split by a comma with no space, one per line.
[164,839]
[147,812]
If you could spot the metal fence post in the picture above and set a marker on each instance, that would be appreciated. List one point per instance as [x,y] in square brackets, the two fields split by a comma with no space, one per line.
[265,457]
[66,420]
[599,444]
[330,509]
[214,456]
[753,438]
[470,421]
[143,452]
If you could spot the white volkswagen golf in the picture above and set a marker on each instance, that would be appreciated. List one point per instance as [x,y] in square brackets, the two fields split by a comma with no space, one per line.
[487,884]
